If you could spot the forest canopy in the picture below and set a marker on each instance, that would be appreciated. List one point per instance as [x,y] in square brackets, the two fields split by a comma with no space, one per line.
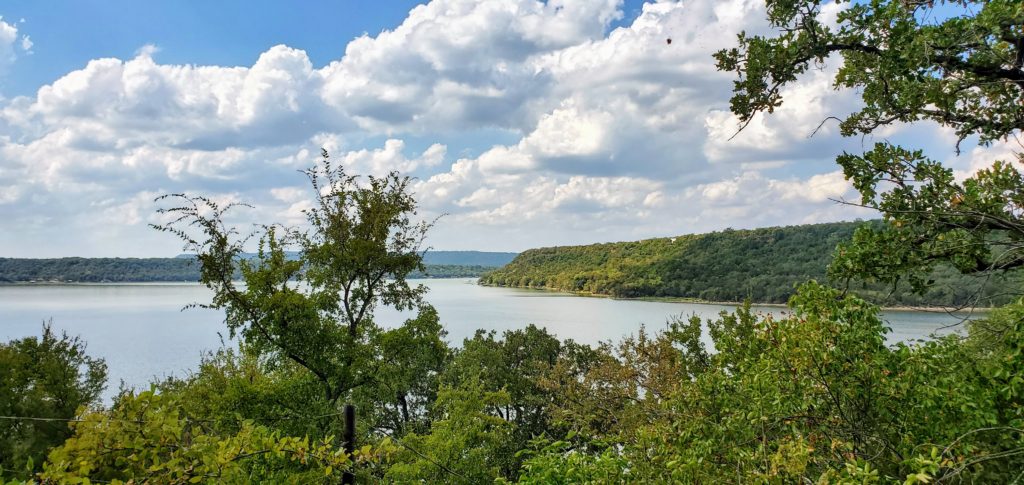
[762,265]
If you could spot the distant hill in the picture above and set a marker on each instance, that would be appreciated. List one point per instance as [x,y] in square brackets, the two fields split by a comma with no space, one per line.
[763,265]
[469,258]
[457,258]
[97,270]
[440,264]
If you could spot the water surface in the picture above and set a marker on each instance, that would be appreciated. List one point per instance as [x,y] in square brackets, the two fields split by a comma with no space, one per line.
[143,333]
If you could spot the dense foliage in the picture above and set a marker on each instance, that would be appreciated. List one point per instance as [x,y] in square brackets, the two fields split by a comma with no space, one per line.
[762,265]
[138,270]
[46,380]
[957,63]
[813,397]
[148,438]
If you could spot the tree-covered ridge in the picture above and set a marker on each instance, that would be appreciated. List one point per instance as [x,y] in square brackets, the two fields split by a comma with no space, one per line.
[491,259]
[142,270]
[97,270]
[763,265]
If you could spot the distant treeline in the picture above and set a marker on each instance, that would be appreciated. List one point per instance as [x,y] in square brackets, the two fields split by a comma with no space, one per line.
[468,258]
[181,269]
[763,265]
[452,271]
[98,270]
[486,259]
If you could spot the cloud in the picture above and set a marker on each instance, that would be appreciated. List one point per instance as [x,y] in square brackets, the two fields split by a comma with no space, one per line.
[602,134]
[8,40]
[456,63]
[598,209]
[381,161]
[139,102]
[982,157]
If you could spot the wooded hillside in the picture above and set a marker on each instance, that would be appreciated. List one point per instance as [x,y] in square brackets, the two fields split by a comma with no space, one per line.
[139,270]
[764,265]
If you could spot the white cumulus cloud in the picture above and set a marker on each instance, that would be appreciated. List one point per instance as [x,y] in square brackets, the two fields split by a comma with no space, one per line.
[8,40]
[528,122]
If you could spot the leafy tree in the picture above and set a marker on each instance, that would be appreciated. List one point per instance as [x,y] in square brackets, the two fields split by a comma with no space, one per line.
[148,438]
[315,308]
[517,366]
[975,225]
[955,62]
[812,396]
[559,463]
[614,390]
[408,363]
[44,381]
[230,384]
[958,63]
[464,443]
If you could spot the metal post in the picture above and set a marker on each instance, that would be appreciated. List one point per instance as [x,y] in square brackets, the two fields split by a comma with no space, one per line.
[349,441]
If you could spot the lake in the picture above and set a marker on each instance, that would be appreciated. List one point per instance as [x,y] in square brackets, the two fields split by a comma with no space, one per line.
[142,332]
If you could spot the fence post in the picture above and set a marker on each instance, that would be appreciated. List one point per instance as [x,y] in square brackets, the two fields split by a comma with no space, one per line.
[349,442]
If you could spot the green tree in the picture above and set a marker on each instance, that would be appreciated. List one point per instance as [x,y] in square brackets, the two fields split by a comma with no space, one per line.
[958,63]
[955,62]
[408,363]
[465,443]
[231,383]
[149,438]
[517,365]
[315,308]
[44,381]
[813,396]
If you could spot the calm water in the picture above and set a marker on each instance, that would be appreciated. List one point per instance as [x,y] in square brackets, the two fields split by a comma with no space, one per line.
[142,332]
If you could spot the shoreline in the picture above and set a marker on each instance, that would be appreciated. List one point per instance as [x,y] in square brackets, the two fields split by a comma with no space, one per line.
[168,282]
[94,283]
[698,301]
[658,299]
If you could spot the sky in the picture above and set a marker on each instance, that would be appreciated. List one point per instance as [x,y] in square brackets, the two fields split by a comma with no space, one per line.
[525,123]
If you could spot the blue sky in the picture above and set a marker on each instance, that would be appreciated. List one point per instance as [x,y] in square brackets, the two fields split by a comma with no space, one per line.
[525,123]
[229,32]
[223,32]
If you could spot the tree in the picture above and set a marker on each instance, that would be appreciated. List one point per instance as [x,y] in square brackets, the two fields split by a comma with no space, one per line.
[46,380]
[958,63]
[516,365]
[465,443]
[149,438]
[409,362]
[314,309]
[814,395]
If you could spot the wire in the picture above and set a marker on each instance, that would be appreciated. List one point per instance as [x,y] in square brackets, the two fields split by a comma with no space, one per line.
[425,457]
[32,418]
